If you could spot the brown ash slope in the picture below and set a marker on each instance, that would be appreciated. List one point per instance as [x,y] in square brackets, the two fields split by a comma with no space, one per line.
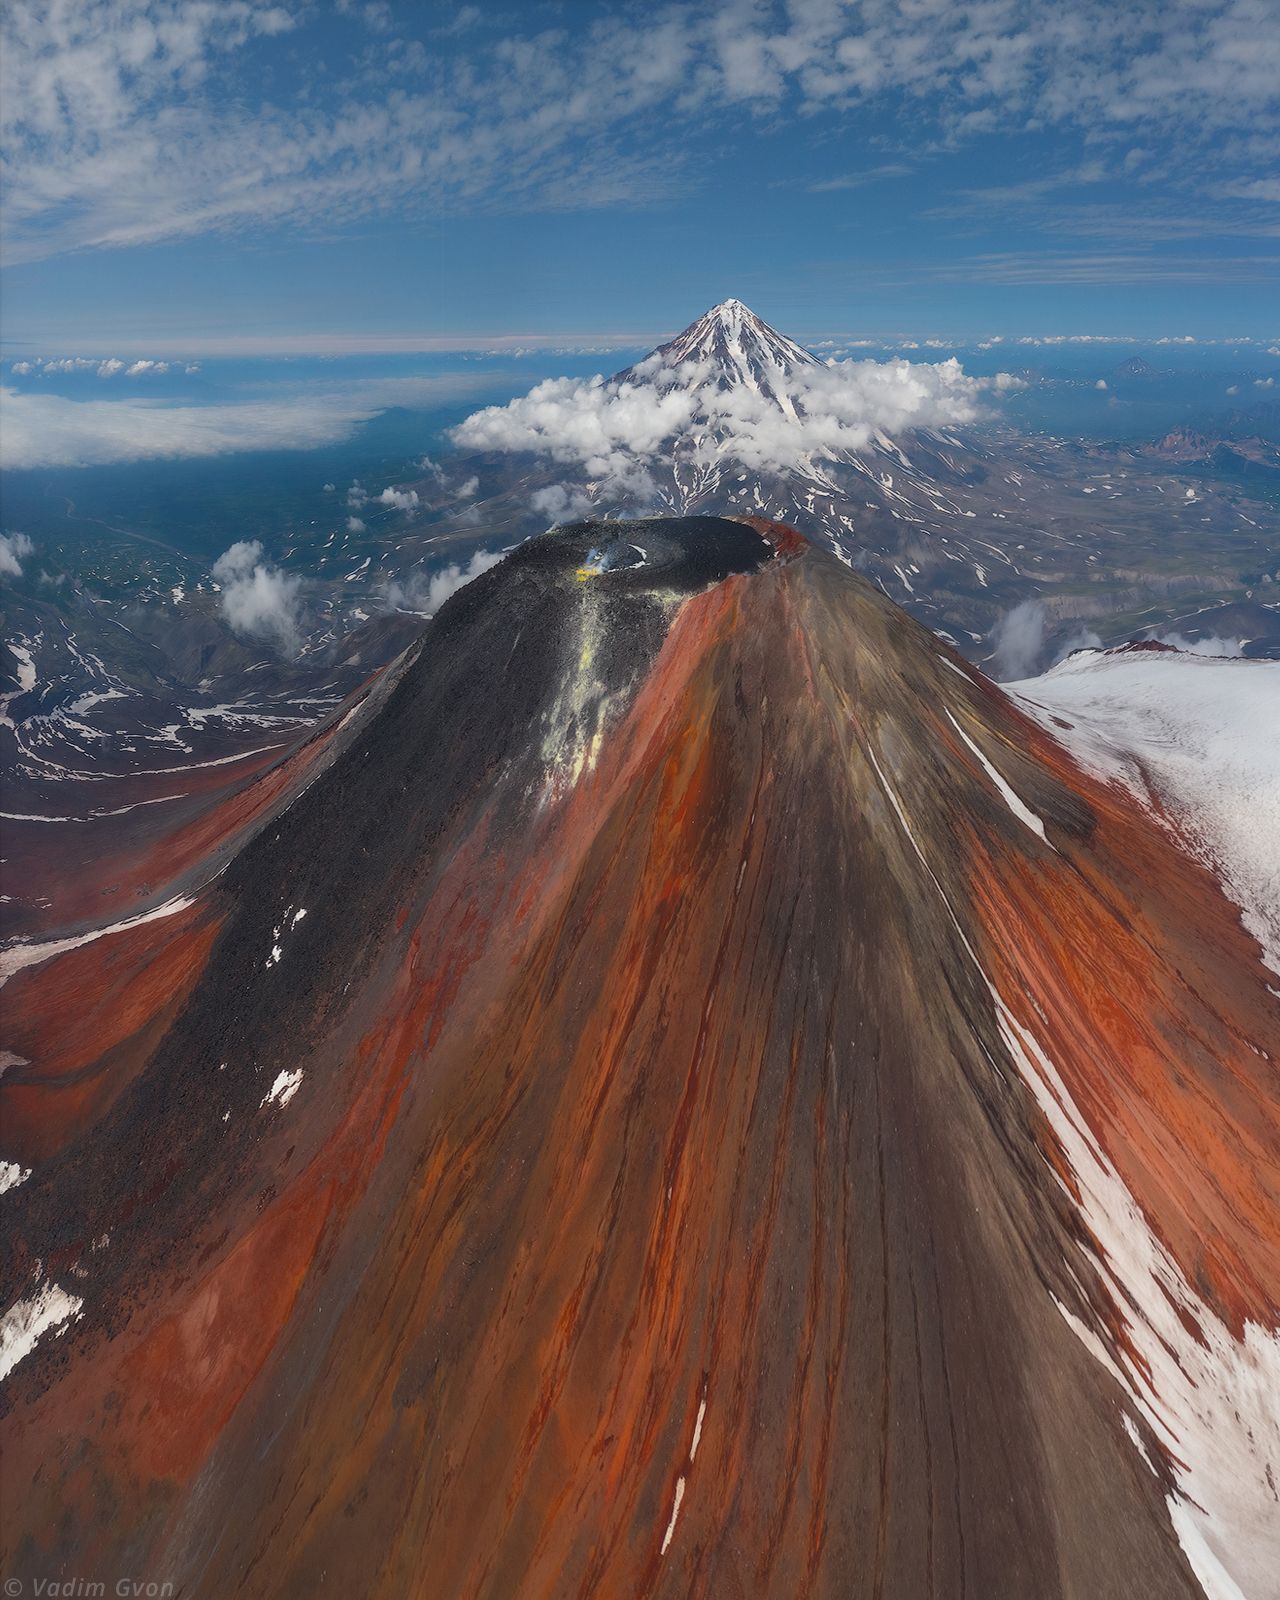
[701,1096]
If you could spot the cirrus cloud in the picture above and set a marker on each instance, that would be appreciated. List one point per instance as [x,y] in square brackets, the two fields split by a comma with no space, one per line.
[133,121]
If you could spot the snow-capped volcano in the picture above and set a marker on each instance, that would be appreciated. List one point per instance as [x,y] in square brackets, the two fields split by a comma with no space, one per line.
[747,388]
[733,348]
[731,412]
[882,461]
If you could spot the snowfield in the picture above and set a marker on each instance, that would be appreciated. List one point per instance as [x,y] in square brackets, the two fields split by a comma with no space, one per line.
[1197,735]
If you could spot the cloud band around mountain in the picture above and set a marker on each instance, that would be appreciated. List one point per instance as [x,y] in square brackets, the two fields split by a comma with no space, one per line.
[615,429]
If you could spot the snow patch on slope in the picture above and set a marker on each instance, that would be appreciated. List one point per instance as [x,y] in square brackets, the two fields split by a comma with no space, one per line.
[1198,735]
[1212,1401]
[26,682]
[1015,803]
[284,1088]
[11,1175]
[27,953]
[26,1322]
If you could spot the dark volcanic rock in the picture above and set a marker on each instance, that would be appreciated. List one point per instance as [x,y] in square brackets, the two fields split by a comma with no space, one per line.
[700,1096]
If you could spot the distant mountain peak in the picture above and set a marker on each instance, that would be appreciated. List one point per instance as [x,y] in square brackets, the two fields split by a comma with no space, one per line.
[738,349]
[743,344]
[735,319]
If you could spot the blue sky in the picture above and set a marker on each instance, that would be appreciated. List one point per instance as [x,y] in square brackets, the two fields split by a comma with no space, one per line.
[337,175]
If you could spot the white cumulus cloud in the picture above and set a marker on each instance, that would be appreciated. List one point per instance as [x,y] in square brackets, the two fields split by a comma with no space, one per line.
[424,593]
[14,547]
[616,430]
[258,600]
[399,499]
[559,503]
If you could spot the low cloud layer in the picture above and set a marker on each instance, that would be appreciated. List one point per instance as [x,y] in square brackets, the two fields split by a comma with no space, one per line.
[259,601]
[50,430]
[61,366]
[44,430]
[616,431]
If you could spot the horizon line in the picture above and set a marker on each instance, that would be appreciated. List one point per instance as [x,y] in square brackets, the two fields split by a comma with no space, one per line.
[352,344]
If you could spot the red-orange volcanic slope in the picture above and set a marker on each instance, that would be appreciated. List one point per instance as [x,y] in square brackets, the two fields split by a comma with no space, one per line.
[656,1118]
